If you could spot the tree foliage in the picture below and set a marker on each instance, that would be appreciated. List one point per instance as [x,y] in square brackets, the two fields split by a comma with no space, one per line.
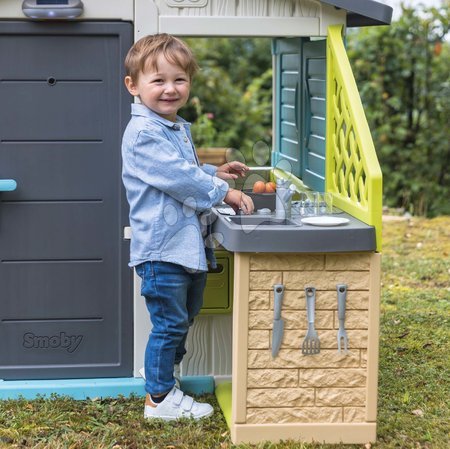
[231,97]
[403,73]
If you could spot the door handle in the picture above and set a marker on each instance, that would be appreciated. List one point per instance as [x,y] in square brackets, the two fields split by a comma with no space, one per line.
[7,185]
[127,233]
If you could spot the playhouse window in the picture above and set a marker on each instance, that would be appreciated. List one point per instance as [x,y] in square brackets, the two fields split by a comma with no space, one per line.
[261,93]
[231,96]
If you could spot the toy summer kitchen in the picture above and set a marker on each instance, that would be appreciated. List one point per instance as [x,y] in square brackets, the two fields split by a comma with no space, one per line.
[288,336]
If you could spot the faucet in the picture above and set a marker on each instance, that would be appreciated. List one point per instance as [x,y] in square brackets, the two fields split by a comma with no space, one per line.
[284,193]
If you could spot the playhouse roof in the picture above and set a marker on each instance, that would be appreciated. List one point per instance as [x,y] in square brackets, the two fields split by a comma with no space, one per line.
[364,12]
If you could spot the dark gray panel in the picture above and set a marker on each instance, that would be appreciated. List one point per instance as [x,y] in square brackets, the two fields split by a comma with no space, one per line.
[63,260]
[364,12]
[82,181]
[58,230]
[52,280]
[43,109]
[40,56]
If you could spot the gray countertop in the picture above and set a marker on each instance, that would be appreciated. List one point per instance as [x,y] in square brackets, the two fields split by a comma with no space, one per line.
[294,237]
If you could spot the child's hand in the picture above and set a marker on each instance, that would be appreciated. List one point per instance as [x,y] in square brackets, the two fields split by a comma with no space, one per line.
[238,200]
[232,170]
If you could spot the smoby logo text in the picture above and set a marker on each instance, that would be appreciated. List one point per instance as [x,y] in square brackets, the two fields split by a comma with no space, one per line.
[68,342]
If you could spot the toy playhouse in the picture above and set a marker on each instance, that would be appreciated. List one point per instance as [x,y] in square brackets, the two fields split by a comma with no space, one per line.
[71,318]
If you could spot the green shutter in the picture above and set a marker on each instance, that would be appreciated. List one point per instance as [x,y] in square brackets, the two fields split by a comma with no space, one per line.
[300,88]
[313,114]
[286,153]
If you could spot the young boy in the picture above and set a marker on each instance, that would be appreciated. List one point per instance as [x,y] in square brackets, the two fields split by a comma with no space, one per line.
[167,190]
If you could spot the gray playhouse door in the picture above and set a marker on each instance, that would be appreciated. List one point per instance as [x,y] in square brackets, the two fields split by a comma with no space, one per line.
[65,288]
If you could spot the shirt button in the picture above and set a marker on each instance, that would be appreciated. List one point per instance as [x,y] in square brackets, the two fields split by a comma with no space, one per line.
[176,127]
[186,139]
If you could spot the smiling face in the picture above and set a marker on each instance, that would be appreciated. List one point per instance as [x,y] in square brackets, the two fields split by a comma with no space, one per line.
[163,88]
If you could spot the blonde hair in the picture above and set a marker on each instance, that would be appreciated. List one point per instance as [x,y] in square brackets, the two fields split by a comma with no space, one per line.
[144,54]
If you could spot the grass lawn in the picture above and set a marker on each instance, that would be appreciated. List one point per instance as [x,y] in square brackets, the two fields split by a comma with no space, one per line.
[414,384]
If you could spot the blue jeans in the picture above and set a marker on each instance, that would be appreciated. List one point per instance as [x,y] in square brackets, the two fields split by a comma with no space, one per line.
[174,298]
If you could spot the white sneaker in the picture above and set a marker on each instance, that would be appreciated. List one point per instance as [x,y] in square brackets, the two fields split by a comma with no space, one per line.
[176,374]
[178,405]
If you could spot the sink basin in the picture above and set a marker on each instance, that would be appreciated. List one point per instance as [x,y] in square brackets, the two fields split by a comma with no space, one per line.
[246,220]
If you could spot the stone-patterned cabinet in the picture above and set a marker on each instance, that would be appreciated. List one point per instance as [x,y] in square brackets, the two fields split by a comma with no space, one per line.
[328,397]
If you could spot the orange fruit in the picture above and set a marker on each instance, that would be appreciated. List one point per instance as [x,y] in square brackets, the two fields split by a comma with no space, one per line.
[437,48]
[270,187]
[259,187]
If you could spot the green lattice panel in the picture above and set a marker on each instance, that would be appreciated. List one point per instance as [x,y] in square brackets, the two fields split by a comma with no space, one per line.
[349,174]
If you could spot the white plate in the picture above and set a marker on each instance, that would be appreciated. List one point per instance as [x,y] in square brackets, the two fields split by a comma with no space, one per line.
[325,221]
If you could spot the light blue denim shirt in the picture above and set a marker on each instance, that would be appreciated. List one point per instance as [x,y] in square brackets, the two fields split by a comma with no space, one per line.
[167,190]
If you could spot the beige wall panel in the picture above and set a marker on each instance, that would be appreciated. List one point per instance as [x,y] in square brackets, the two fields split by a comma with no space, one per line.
[332,378]
[325,299]
[264,280]
[293,358]
[356,299]
[259,300]
[258,339]
[272,378]
[350,261]
[283,397]
[294,415]
[326,280]
[364,359]
[298,320]
[268,261]
[357,339]
[340,396]
[294,319]
[292,300]
[260,319]
[354,319]
[293,339]
[354,414]
[293,388]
